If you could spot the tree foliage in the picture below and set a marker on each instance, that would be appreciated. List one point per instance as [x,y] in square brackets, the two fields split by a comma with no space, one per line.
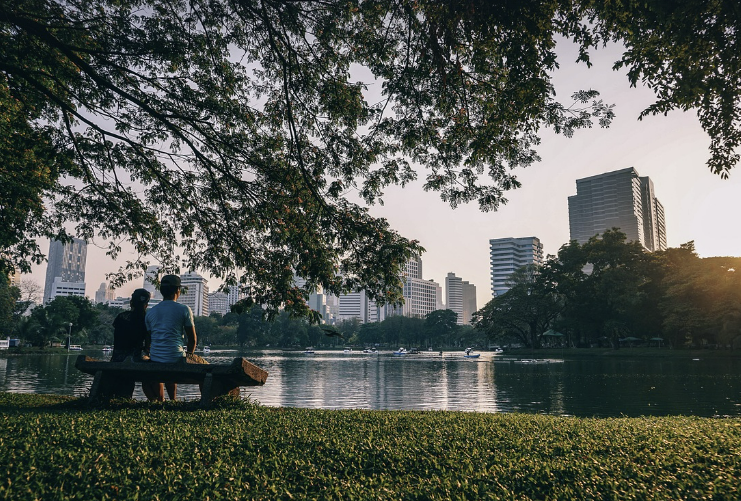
[603,282]
[236,137]
[608,289]
[525,312]
[8,297]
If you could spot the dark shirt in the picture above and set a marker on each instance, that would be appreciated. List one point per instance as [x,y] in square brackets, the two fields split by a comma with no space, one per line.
[130,335]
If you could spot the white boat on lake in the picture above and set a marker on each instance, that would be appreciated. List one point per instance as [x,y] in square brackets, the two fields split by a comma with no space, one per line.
[400,351]
[309,350]
[470,354]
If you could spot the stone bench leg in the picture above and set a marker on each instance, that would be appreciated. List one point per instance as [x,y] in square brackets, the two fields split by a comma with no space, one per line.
[213,387]
[105,387]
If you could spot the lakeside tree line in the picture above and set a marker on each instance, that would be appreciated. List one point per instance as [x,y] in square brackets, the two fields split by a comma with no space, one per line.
[606,292]
[609,292]
[93,324]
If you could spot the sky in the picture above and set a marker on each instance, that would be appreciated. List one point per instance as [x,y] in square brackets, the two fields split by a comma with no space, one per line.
[672,150]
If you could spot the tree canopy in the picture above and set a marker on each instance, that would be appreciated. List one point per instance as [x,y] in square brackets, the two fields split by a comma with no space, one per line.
[244,137]
[607,290]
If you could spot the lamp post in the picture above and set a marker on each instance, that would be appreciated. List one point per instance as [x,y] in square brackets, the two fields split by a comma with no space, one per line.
[69,336]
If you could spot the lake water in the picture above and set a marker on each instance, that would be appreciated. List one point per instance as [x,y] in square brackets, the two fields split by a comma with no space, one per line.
[493,383]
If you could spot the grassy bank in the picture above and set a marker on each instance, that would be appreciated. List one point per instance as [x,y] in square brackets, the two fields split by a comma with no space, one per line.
[56,448]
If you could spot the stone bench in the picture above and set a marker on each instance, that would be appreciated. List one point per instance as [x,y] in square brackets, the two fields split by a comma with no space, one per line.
[215,379]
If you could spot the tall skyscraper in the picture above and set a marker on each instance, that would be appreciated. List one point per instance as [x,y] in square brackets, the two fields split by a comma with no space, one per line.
[508,254]
[469,302]
[619,199]
[197,295]
[460,296]
[66,269]
[454,295]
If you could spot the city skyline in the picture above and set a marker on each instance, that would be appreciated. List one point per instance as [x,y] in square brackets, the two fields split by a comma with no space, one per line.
[671,150]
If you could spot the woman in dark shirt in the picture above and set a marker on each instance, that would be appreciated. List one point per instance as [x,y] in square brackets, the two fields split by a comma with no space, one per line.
[131,339]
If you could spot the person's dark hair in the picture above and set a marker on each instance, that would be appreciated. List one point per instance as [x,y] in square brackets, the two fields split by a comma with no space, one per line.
[140,299]
[168,290]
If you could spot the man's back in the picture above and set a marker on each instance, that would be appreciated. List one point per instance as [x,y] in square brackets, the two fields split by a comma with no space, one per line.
[166,322]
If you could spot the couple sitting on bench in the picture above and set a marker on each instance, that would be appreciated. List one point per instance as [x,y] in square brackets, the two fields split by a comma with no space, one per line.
[159,331]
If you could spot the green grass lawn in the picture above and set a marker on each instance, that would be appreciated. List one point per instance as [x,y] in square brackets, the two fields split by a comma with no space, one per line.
[56,448]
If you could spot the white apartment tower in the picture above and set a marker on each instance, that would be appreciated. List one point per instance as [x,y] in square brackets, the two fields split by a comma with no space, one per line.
[197,295]
[508,254]
[619,199]
[65,271]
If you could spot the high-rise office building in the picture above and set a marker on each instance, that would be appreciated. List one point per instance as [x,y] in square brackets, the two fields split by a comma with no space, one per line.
[460,296]
[357,305]
[508,254]
[469,302]
[197,294]
[66,268]
[619,199]
[234,295]
[104,293]
[218,302]
[454,296]
[149,277]
[420,296]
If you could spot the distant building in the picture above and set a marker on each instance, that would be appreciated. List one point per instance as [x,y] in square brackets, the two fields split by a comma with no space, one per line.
[357,305]
[104,294]
[150,276]
[66,265]
[421,297]
[619,199]
[440,304]
[460,297]
[197,293]
[469,302]
[218,302]
[60,288]
[332,307]
[234,295]
[507,255]
[14,279]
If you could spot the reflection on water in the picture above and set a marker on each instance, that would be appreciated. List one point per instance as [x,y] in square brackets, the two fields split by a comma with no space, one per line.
[334,380]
